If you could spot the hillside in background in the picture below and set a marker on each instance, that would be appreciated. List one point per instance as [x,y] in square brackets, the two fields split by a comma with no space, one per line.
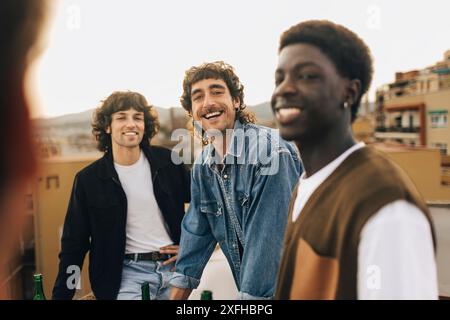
[71,135]
[261,110]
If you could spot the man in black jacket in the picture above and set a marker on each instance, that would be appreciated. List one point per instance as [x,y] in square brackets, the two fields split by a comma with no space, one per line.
[125,209]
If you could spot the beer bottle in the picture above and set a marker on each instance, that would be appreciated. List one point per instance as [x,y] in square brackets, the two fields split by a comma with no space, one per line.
[206,295]
[145,290]
[38,289]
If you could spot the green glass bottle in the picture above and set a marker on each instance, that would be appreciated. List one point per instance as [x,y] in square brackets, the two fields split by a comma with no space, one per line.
[206,295]
[145,290]
[38,289]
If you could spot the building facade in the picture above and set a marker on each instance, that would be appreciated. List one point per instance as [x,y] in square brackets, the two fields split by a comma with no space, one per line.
[414,110]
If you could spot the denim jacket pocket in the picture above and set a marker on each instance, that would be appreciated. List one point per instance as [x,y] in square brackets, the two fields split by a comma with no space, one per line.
[211,207]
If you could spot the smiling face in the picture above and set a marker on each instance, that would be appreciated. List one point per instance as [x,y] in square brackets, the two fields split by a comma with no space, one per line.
[126,129]
[213,105]
[309,93]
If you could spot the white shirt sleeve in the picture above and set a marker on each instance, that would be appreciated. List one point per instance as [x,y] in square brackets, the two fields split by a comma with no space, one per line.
[396,258]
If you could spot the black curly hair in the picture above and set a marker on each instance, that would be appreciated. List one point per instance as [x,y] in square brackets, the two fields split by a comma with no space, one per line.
[121,101]
[348,52]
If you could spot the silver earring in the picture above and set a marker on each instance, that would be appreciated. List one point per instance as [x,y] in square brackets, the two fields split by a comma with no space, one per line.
[345,105]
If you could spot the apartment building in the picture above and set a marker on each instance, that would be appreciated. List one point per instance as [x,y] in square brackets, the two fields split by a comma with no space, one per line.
[414,109]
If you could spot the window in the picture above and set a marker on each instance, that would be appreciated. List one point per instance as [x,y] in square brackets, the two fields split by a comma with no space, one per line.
[441,146]
[439,118]
[52,181]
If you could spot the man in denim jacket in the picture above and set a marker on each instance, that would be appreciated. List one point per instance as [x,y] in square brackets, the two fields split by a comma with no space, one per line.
[241,186]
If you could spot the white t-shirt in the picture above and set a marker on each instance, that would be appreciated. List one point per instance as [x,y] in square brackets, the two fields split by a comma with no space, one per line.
[395,253]
[145,227]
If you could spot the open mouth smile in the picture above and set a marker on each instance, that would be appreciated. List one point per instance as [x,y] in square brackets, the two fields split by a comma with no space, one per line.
[285,115]
[212,115]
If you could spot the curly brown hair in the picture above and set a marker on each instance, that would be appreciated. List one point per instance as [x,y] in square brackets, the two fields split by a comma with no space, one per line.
[122,101]
[348,52]
[216,70]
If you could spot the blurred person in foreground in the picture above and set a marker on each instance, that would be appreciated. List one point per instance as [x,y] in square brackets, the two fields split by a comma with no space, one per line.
[358,228]
[21,28]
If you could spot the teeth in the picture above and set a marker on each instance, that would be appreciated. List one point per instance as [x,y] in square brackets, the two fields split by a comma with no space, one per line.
[212,114]
[285,115]
[288,112]
[130,133]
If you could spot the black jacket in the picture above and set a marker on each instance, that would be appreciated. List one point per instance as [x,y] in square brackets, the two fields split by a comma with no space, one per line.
[97,214]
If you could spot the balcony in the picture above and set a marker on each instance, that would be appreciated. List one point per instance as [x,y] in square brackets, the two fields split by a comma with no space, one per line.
[398,129]
[397,135]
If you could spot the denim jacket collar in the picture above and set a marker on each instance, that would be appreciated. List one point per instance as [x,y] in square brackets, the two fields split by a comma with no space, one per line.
[235,148]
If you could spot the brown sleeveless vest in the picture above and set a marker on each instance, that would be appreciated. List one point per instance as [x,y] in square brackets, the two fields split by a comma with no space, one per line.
[320,248]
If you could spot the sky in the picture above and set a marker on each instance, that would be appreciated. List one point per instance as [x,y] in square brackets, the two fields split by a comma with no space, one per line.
[95,47]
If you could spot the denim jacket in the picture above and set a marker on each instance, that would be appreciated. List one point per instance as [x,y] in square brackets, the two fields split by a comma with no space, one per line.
[242,206]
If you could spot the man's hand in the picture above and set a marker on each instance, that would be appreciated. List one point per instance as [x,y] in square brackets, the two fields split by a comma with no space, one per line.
[172,250]
[180,293]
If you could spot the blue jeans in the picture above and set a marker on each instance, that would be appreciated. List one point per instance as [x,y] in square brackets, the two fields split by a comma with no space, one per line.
[135,273]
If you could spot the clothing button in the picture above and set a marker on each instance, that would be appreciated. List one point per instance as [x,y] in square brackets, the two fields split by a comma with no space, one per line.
[225,176]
